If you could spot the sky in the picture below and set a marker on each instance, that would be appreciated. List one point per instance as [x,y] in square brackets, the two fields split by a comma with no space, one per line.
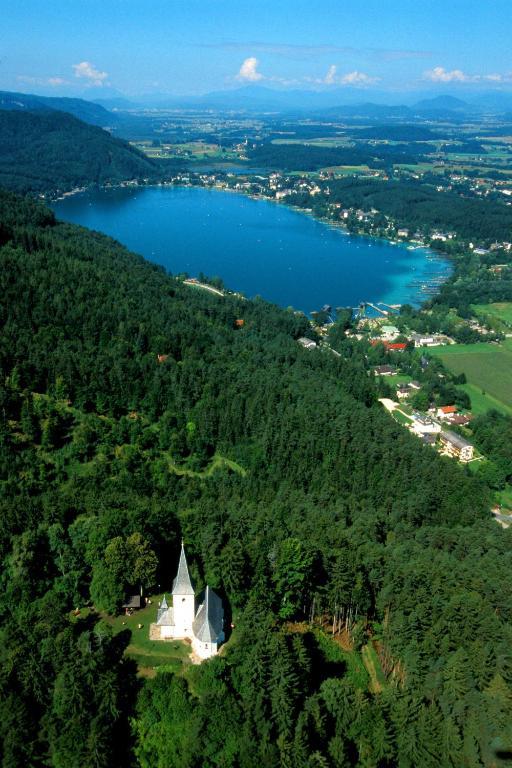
[87,47]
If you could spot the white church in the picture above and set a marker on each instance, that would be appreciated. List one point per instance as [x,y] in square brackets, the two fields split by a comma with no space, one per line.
[200,621]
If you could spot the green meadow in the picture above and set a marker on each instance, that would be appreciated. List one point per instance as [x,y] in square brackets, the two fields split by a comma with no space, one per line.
[488,369]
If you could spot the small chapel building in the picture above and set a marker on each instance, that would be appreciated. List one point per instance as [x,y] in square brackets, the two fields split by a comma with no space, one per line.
[201,621]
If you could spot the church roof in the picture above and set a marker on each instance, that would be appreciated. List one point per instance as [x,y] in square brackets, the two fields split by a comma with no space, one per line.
[182,584]
[208,623]
[162,610]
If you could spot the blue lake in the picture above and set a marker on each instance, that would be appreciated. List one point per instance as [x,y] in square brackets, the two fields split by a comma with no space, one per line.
[256,246]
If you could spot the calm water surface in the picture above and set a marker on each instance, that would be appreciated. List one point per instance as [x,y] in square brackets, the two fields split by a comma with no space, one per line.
[256,246]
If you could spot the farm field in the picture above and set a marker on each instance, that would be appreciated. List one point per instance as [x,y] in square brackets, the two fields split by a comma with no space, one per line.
[501,311]
[488,369]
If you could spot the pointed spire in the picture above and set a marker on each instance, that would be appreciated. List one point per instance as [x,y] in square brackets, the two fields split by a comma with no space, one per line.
[162,610]
[182,584]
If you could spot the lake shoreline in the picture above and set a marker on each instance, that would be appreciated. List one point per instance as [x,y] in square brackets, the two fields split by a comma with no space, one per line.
[391,281]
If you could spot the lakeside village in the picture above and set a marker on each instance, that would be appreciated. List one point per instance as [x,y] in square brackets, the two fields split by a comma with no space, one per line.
[312,193]
[444,426]
[408,375]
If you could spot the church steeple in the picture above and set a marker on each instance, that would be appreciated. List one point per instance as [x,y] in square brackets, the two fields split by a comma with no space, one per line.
[182,584]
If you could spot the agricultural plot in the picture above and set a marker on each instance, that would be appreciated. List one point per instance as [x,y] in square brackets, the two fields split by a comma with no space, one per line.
[500,311]
[488,369]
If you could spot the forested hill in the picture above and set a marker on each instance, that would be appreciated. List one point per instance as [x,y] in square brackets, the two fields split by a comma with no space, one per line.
[50,151]
[84,110]
[299,499]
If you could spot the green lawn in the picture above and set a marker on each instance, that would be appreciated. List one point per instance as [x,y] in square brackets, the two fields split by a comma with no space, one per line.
[488,368]
[505,497]
[401,418]
[150,654]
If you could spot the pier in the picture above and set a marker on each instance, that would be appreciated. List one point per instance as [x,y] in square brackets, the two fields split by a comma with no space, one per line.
[377,309]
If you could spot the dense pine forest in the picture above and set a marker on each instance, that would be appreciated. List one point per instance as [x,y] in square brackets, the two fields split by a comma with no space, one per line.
[327,523]
[47,151]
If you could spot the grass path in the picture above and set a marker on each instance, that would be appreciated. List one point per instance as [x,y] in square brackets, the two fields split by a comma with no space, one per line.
[374,669]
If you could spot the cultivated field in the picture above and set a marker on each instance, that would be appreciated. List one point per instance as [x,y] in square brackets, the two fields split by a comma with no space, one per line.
[501,311]
[488,369]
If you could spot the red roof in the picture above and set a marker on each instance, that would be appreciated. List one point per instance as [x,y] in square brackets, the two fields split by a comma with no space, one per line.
[388,345]
[449,409]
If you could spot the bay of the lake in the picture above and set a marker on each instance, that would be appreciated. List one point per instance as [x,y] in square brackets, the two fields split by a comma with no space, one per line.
[257,247]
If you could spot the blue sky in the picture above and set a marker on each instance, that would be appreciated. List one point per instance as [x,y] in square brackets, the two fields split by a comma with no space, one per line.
[82,47]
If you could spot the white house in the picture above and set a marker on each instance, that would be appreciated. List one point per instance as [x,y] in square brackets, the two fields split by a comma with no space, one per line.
[201,621]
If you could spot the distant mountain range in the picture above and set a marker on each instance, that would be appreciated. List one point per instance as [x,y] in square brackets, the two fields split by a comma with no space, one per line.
[340,103]
[345,102]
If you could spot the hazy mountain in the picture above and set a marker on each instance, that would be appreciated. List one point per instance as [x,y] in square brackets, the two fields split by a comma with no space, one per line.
[91,113]
[443,103]
[257,98]
[115,103]
[366,110]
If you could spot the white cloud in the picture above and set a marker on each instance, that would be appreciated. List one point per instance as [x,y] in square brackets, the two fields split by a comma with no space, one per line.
[249,70]
[442,75]
[358,79]
[330,77]
[54,82]
[89,72]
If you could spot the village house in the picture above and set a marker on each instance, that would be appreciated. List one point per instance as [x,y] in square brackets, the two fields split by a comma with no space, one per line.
[307,343]
[385,370]
[403,391]
[200,621]
[422,425]
[446,412]
[389,332]
[456,446]
[426,340]
[460,420]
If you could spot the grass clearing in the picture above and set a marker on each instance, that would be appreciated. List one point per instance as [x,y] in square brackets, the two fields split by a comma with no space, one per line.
[505,497]
[374,669]
[488,368]
[401,418]
[218,462]
[333,652]
[149,654]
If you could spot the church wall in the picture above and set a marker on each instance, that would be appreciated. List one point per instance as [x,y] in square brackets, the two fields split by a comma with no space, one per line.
[204,650]
[184,614]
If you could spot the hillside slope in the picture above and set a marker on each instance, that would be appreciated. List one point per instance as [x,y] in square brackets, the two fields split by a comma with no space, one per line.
[88,111]
[324,516]
[50,151]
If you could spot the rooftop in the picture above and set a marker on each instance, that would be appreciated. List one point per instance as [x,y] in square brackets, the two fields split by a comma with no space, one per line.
[208,623]
[454,439]
[182,584]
